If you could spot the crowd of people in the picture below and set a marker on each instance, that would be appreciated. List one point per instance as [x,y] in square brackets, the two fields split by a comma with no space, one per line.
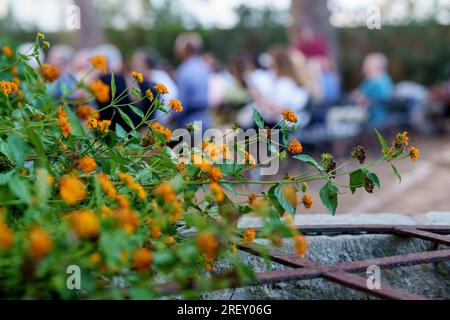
[303,78]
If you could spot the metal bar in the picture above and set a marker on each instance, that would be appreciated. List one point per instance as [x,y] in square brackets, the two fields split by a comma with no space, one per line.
[359,283]
[365,228]
[425,235]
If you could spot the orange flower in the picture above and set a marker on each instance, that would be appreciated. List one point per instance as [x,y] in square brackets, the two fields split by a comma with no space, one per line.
[139,77]
[169,240]
[128,179]
[49,72]
[127,219]
[402,138]
[165,132]
[175,105]
[95,258]
[217,192]
[154,227]
[142,259]
[307,201]
[290,193]
[414,153]
[86,164]
[100,90]
[84,112]
[39,242]
[100,63]
[8,87]
[249,235]
[123,201]
[300,245]
[63,122]
[7,51]
[289,116]
[72,190]
[102,125]
[105,211]
[208,244]
[176,212]
[161,89]
[106,185]
[215,174]
[84,223]
[295,147]
[6,236]
[165,191]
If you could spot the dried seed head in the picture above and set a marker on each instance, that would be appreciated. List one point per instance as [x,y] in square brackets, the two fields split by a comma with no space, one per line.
[368,185]
[359,153]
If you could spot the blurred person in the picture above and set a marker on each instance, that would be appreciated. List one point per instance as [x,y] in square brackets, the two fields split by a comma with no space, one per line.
[61,56]
[376,89]
[288,88]
[311,44]
[192,78]
[148,63]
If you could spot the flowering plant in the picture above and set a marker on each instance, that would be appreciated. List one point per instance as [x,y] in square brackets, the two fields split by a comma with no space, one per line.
[120,204]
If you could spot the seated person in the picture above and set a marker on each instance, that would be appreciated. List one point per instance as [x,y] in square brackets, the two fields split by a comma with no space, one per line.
[376,89]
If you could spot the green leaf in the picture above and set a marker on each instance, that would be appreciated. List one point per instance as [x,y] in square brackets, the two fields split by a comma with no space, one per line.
[397,174]
[126,118]
[307,159]
[284,203]
[120,132]
[230,188]
[20,189]
[357,179]
[383,142]
[77,129]
[113,87]
[258,119]
[137,111]
[374,178]
[329,197]
[18,148]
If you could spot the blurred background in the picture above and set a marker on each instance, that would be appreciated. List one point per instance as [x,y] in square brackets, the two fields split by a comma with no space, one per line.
[344,66]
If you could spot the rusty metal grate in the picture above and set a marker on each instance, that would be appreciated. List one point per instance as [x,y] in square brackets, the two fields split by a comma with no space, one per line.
[343,273]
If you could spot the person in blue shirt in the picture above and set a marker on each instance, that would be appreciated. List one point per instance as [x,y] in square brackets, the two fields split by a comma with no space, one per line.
[376,89]
[192,78]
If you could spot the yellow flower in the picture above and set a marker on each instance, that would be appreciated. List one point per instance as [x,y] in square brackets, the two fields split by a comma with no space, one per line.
[142,258]
[8,87]
[175,105]
[165,191]
[39,242]
[176,212]
[102,125]
[414,153]
[63,122]
[86,164]
[84,223]
[217,192]
[7,51]
[289,116]
[100,63]
[295,147]
[307,201]
[249,235]
[215,174]
[154,228]
[402,138]
[161,89]
[139,77]
[100,90]
[149,94]
[300,245]
[72,190]
[208,244]
[106,185]
[49,72]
